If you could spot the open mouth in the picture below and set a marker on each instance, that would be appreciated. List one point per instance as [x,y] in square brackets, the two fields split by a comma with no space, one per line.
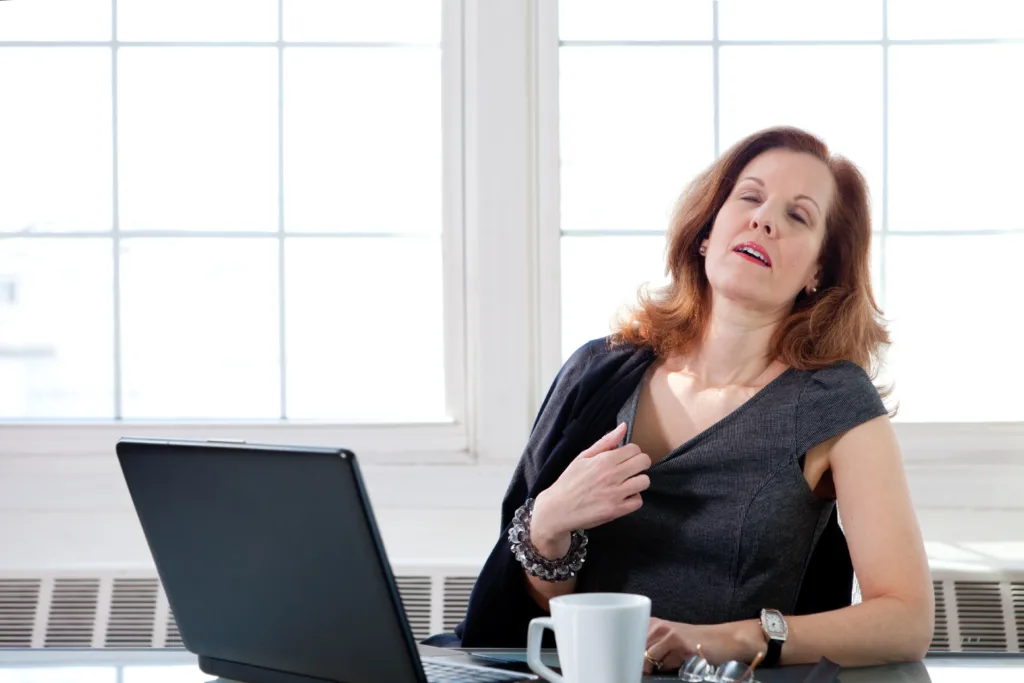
[754,253]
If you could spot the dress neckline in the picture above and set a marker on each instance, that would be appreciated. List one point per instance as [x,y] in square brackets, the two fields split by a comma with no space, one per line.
[725,420]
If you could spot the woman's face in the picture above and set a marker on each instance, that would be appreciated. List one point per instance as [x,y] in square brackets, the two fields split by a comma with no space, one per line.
[765,241]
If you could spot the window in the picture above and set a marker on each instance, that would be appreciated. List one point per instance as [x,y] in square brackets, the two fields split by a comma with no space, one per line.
[917,94]
[215,219]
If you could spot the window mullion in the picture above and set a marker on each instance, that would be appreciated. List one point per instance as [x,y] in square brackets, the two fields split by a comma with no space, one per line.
[881,294]
[281,312]
[116,226]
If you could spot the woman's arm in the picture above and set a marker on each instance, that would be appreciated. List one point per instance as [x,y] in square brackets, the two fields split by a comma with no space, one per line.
[895,620]
[551,545]
[603,483]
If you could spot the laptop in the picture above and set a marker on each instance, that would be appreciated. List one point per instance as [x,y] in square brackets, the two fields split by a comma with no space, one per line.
[273,565]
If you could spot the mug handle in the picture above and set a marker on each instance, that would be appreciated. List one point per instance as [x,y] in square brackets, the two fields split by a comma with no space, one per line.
[534,637]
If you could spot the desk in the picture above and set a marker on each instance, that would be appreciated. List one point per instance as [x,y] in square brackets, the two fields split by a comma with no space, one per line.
[178,666]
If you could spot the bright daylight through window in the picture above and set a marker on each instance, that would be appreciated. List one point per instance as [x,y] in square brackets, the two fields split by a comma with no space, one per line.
[213,220]
[651,96]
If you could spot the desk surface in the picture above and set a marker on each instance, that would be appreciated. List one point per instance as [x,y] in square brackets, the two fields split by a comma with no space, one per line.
[177,666]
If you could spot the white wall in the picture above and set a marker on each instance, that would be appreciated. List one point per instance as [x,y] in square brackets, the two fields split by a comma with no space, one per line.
[73,512]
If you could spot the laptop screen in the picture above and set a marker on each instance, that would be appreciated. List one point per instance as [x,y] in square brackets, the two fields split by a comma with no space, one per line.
[270,557]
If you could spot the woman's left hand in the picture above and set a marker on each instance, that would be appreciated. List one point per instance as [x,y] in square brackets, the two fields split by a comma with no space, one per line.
[670,643]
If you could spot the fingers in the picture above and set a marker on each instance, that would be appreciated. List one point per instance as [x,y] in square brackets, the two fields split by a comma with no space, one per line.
[633,465]
[657,648]
[664,646]
[673,660]
[606,442]
[630,491]
[635,485]
[630,505]
[620,455]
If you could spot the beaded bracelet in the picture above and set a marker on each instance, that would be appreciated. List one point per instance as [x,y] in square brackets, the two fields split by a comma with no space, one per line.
[536,564]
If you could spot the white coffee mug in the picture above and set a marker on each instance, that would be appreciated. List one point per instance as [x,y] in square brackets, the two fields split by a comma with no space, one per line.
[600,638]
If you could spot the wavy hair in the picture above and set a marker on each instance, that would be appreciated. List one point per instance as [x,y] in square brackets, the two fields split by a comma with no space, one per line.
[841,321]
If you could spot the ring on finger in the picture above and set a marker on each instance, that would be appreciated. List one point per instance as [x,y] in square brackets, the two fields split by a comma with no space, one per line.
[655,664]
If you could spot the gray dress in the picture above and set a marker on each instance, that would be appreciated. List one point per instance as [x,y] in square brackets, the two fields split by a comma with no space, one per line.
[729,522]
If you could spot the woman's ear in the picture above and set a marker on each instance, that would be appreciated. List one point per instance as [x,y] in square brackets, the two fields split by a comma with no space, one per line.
[812,285]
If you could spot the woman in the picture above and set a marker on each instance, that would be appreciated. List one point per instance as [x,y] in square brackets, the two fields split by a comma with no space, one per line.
[696,456]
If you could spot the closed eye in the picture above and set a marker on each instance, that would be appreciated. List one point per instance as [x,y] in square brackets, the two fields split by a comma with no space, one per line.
[751,198]
[797,217]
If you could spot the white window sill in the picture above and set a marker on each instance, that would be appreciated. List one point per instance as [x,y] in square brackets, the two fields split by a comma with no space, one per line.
[378,444]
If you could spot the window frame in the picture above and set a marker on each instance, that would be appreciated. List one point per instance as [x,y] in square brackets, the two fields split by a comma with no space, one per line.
[924,445]
[502,292]
[442,441]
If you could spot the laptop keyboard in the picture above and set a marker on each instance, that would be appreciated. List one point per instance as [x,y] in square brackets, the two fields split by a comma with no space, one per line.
[439,671]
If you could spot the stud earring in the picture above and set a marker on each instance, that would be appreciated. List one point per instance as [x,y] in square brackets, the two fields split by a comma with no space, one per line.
[814,290]
[703,250]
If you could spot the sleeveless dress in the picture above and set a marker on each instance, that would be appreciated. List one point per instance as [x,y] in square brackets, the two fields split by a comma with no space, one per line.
[728,524]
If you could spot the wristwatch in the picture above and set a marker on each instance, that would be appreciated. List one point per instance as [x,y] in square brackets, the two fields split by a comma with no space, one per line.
[773,625]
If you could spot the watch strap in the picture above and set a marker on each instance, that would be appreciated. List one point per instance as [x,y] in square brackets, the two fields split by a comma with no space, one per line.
[771,657]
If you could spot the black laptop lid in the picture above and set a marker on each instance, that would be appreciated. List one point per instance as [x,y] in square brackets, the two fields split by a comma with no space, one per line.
[270,557]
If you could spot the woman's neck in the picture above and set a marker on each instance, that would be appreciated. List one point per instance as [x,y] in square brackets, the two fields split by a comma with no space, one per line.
[736,350]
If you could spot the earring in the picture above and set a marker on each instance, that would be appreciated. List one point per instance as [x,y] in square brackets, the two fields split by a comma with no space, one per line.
[814,290]
[703,250]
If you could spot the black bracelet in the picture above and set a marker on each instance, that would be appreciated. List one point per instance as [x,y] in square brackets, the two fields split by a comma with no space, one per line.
[536,564]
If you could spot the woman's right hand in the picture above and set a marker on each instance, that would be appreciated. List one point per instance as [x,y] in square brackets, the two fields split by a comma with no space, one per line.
[601,484]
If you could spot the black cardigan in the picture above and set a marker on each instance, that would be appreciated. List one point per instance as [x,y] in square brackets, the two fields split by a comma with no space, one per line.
[580,407]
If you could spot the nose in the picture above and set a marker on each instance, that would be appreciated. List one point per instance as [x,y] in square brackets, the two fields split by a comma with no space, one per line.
[762,224]
[762,220]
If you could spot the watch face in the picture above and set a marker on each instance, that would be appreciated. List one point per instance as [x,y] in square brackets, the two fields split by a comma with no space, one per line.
[774,624]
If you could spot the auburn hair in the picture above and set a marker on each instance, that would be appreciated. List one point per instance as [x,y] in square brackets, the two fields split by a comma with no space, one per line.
[841,321]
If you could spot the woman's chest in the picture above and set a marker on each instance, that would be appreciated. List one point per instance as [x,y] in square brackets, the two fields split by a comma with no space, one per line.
[671,412]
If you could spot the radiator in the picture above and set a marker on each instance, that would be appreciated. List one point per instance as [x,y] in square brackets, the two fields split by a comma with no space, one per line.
[975,610]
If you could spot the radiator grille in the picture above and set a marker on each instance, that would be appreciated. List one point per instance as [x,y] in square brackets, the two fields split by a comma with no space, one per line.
[18,601]
[979,608]
[132,613]
[72,616]
[940,636]
[173,636]
[1017,601]
[115,611]
[415,593]
[456,600]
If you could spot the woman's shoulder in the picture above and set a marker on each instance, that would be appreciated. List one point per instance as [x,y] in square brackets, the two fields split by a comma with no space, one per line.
[595,362]
[836,398]
[599,350]
[841,385]
[841,374]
